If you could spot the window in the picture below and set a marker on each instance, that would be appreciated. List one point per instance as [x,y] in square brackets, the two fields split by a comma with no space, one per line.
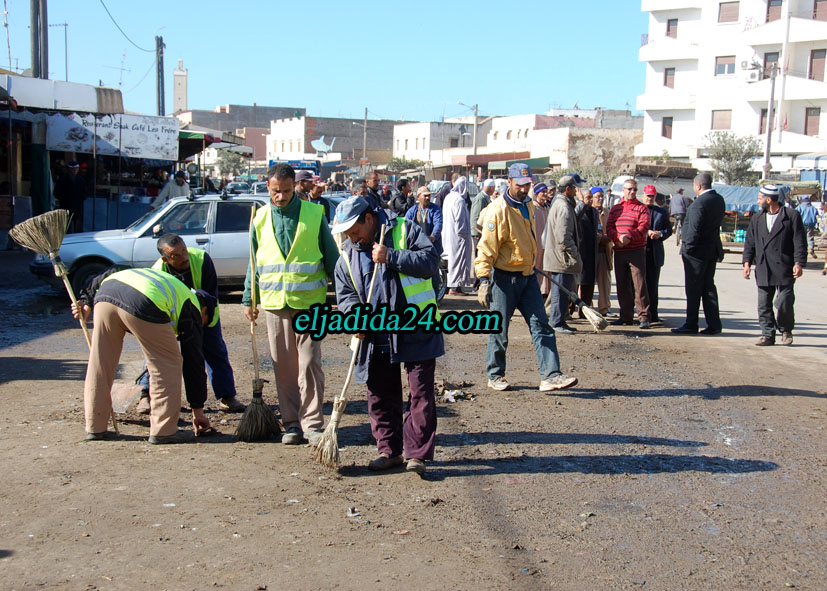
[454,142]
[423,143]
[406,144]
[508,135]
[770,59]
[519,131]
[773,10]
[188,218]
[666,127]
[721,119]
[282,146]
[291,145]
[762,125]
[812,116]
[669,77]
[233,216]
[728,12]
[820,10]
[672,28]
[417,143]
[397,145]
[817,58]
[496,133]
[526,133]
[725,65]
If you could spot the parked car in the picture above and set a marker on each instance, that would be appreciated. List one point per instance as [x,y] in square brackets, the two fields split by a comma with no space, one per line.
[219,226]
[259,188]
[238,188]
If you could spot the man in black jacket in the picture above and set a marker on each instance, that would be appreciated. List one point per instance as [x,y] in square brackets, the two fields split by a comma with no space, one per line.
[701,250]
[659,230]
[777,244]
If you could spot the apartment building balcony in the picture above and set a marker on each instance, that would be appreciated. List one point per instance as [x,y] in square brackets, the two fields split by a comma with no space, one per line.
[668,49]
[796,88]
[802,30]
[657,5]
[665,99]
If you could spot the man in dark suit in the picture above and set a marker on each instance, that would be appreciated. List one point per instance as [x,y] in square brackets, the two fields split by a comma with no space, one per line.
[659,230]
[777,244]
[701,250]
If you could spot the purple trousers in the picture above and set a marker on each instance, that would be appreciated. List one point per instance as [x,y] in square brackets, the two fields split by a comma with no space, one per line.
[413,434]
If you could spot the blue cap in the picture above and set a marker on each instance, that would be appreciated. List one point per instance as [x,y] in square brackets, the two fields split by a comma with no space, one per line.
[348,212]
[596,190]
[521,173]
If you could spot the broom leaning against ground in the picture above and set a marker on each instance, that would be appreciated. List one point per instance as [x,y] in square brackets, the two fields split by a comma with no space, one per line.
[259,421]
[44,234]
[593,316]
[327,450]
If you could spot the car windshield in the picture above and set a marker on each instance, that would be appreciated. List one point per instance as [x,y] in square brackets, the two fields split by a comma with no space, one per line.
[141,220]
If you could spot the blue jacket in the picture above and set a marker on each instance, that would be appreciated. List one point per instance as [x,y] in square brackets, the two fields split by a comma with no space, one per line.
[433,222]
[419,259]
[809,215]
[659,222]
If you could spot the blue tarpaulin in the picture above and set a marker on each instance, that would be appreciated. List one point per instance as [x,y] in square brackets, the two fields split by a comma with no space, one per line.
[744,199]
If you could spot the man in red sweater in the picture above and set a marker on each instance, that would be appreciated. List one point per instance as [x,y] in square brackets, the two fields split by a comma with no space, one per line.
[627,227]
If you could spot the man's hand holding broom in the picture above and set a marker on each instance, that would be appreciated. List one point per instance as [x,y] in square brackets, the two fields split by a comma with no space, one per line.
[79,307]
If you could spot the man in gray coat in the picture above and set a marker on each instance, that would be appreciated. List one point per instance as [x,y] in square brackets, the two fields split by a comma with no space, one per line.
[776,244]
[561,256]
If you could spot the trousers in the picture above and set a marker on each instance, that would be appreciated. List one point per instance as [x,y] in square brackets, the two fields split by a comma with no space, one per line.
[630,276]
[163,360]
[414,432]
[603,276]
[559,307]
[297,364]
[652,281]
[784,319]
[699,284]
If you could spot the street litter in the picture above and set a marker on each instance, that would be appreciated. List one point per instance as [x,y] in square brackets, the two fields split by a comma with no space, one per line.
[450,393]
[352,512]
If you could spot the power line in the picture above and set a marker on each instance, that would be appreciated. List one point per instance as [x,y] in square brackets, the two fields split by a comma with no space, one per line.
[151,65]
[122,32]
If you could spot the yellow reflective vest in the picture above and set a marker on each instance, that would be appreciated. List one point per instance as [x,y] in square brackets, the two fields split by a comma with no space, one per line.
[196,265]
[297,280]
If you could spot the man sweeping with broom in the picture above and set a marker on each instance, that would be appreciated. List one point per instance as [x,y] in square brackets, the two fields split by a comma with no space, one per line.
[404,261]
[294,254]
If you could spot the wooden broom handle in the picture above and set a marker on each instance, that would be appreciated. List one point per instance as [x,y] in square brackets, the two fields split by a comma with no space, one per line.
[253,296]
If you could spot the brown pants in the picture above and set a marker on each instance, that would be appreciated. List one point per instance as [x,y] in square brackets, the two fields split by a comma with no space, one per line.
[163,360]
[630,276]
[603,277]
[297,362]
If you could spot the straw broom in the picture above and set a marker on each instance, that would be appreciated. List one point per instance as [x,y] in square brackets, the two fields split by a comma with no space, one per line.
[44,234]
[593,316]
[327,450]
[258,421]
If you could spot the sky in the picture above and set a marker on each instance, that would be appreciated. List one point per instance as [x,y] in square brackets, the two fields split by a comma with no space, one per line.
[336,58]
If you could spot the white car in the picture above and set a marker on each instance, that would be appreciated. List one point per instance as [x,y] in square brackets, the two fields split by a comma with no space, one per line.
[219,226]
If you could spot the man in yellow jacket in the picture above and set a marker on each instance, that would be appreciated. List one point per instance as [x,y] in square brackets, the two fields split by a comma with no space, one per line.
[294,255]
[505,265]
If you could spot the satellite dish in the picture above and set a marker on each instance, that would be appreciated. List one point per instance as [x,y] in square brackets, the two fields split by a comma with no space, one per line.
[320,146]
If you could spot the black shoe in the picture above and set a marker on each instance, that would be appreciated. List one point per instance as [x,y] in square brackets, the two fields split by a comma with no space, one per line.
[711,331]
[178,437]
[620,322]
[102,436]
[685,330]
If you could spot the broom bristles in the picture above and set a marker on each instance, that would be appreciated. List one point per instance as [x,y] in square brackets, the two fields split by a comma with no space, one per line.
[593,316]
[258,422]
[43,233]
[327,451]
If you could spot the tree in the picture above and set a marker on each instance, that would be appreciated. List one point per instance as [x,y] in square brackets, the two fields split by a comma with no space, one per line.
[400,164]
[731,157]
[230,163]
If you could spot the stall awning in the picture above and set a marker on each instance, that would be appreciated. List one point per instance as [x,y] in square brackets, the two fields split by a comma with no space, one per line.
[56,95]
[542,162]
[812,161]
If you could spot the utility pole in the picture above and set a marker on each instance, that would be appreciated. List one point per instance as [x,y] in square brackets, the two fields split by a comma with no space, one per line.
[365,136]
[159,71]
[65,47]
[40,39]
[770,118]
[476,116]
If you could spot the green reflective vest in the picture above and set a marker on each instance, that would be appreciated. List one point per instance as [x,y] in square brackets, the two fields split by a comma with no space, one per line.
[196,265]
[165,291]
[418,291]
[298,280]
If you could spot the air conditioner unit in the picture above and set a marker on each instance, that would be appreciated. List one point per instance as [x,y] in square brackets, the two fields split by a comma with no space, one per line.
[745,65]
[754,76]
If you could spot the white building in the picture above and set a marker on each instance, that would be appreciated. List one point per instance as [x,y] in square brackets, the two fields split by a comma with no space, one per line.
[179,88]
[707,68]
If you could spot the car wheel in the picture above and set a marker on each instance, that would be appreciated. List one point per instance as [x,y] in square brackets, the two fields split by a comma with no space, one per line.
[84,273]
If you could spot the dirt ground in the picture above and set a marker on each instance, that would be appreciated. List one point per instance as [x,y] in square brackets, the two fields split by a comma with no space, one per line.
[676,463]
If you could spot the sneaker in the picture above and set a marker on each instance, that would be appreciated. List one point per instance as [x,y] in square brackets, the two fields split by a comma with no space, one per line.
[417,466]
[558,382]
[644,325]
[177,437]
[564,329]
[231,404]
[384,462]
[765,342]
[313,437]
[787,338]
[143,405]
[292,437]
[498,383]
